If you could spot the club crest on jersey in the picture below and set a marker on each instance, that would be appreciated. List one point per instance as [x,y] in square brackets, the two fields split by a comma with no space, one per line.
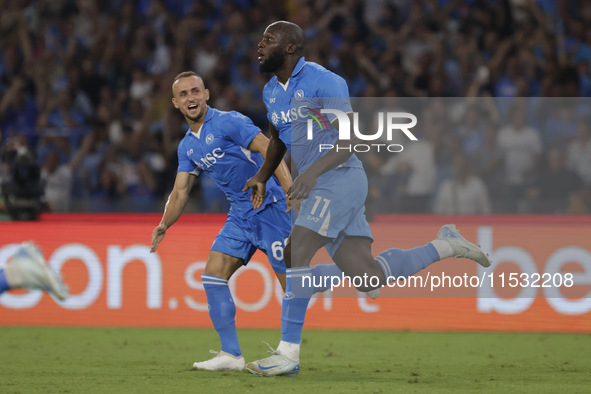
[209,139]
[299,95]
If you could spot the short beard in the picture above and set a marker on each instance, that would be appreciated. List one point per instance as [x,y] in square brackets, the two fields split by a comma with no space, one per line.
[273,63]
[194,118]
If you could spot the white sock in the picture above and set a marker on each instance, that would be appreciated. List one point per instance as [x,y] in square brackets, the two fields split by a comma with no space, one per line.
[443,248]
[13,276]
[289,350]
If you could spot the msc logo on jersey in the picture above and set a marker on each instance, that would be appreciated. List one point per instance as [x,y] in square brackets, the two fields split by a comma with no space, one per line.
[289,115]
[275,118]
[209,139]
[190,152]
[210,159]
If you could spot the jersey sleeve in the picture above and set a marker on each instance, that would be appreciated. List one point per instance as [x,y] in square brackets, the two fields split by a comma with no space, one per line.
[241,129]
[185,164]
[334,94]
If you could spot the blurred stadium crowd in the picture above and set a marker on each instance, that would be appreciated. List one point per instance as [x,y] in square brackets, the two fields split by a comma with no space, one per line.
[85,88]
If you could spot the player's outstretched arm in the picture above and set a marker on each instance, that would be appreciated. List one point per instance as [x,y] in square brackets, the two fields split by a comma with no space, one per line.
[275,151]
[174,206]
[261,144]
[305,182]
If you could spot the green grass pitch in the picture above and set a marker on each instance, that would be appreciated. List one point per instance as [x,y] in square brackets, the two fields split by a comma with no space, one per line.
[135,360]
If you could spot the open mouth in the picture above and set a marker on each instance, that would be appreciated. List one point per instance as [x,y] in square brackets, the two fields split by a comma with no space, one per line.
[192,107]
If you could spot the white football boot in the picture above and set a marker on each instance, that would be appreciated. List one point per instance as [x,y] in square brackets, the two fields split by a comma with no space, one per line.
[275,365]
[461,246]
[29,270]
[221,362]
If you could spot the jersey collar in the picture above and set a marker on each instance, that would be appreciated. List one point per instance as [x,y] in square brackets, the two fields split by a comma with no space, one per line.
[298,67]
[208,114]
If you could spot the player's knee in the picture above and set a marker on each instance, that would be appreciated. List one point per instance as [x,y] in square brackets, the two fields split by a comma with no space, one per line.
[219,270]
[295,255]
[287,255]
[365,271]
[281,279]
[300,256]
[305,246]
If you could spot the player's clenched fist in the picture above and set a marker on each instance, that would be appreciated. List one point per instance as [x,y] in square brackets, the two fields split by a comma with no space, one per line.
[157,236]
[259,191]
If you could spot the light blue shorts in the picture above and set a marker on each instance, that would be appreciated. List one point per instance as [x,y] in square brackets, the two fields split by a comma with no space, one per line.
[267,230]
[335,207]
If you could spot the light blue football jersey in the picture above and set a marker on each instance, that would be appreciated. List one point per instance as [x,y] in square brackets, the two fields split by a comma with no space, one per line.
[312,88]
[221,150]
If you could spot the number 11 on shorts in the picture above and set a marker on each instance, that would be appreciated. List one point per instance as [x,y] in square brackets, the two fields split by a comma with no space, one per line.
[317,203]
